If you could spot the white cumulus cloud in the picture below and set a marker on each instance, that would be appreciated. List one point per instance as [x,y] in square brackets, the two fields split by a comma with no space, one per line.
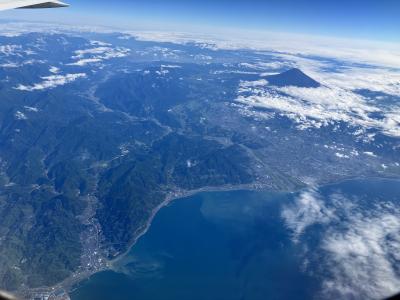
[307,210]
[50,82]
[98,54]
[358,248]
[362,257]
[317,107]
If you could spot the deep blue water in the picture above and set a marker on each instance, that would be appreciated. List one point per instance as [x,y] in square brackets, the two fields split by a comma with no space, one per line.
[237,245]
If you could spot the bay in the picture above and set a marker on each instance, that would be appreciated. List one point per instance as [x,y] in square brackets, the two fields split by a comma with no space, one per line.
[247,245]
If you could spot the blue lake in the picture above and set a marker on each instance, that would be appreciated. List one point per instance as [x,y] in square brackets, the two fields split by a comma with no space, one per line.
[260,245]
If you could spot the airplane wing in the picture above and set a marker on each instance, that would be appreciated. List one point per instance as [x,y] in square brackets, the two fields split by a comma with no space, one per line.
[11,4]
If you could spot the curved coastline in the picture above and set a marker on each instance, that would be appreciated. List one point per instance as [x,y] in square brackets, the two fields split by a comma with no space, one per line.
[250,187]
[367,183]
[73,282]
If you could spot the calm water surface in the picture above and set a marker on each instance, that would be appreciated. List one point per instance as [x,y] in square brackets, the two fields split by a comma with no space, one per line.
[232,245]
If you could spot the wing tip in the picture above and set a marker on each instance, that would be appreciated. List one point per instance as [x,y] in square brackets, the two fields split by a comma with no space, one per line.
[46,4]
[63,4]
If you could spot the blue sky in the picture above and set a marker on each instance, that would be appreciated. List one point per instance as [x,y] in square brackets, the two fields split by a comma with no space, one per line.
[364,19]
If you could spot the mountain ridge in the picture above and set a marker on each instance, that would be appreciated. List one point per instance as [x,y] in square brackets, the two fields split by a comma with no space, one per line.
[293,77]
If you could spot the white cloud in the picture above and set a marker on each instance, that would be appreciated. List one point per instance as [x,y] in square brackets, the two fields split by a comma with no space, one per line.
[20,116]
[9,50]
[244,85]
[360,51]
[359,244]
[262,66]
[50,82]
[370,153]
[99,43]
[202,57]
[341,155]
[317,107]
[362,257]
[162,72]
[54,70]
[125,37]
[171,66]
[31,109]
[10,64]
[233,72]
[85,61]
[353,78]
[308,209]
[343,74]
[12,55]
[98,54]
[160,52]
